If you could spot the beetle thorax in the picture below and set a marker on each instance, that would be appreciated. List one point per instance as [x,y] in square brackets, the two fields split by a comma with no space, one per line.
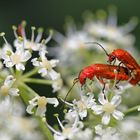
[88,72]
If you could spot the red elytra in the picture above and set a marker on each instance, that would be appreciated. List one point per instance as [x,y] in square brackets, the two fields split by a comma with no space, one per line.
[103,71]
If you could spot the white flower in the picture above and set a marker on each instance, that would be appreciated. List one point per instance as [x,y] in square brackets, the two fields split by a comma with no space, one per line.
[106,133]
[73,41]
[85,103]
[5,108]
[46,67]
[7,88]
[108,108]
[16,58]
[108,29]
[34,44]
[4,136]
[71,131]
[80,107]
[57,84]
[130,128]
[40,103]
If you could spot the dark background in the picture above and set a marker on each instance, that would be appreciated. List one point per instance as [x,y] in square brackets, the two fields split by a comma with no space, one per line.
[52,13]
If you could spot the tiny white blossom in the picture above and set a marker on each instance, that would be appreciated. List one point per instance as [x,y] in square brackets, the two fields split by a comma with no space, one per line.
[106,133]
[80,107]
[86,102]
[33,43]
[40,104]
[7,88]
[108,108]
[71,131]
[16,58]
[109,29]
[46,67]
[57,84]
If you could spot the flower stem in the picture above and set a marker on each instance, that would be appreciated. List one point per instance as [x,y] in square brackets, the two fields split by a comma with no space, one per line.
[30,90]
[30,73]
[12,71]
[132,110]
[38,81]
[45,129]
[27,94]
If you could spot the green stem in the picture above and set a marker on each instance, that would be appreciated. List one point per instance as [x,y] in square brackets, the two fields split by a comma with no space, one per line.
[18,73]
[38,81]
[30,90]
[12,71]
[45,129]
[132,110]
[27,94]
[30,73]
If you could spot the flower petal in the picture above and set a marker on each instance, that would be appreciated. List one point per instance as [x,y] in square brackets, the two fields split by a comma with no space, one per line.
[9,80]
[53,101]
[106,119]
[18,43]
[20,66]
[83,114]
[53,62]
[99,129]
[43,72]
[102,99]
[98,109]
[14,92]
[117,115]
[29,109]
[116,100]
[40,111]
[53,74]
[26,56]
[35,62]
[8,63]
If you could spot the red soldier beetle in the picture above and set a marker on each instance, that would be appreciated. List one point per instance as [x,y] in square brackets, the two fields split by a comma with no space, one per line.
[126,59]
[122,55]
[102,71]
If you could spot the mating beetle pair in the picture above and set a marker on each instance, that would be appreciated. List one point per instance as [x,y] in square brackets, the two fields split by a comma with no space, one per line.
[130,71]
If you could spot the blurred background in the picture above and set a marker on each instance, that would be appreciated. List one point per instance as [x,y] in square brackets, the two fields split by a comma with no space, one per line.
[52,13]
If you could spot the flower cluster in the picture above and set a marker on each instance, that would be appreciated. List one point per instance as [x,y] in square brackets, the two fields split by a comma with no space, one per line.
[18,68]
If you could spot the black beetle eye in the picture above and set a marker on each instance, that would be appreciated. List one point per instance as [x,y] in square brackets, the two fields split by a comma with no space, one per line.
[112,57]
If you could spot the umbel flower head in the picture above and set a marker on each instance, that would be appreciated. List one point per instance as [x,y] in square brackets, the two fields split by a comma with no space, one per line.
[17,56]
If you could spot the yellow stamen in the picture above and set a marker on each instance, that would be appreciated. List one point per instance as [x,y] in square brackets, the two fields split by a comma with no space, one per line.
[42,101]
[108,108]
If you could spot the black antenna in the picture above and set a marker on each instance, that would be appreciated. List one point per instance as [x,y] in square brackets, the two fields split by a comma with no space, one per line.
[74,82]
[98,45]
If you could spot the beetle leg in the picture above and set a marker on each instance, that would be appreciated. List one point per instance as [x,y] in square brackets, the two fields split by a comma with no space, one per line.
[114,61]
[117,83]
[102,82]
[118,69]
